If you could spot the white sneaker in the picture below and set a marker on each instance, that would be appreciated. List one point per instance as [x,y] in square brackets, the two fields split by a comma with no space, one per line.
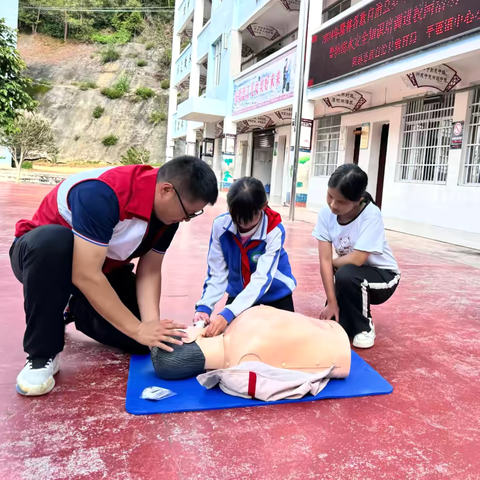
[365,339]
[36,377]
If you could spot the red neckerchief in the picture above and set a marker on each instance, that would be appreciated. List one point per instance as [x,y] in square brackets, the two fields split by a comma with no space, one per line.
[273,220]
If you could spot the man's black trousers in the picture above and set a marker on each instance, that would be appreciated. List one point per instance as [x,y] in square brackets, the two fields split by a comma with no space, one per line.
[42,261]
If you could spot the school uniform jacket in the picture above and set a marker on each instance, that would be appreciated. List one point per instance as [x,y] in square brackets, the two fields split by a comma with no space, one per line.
[256,273]
[137,231]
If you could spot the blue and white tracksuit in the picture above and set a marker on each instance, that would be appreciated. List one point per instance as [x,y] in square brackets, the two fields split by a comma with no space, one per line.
[258,272]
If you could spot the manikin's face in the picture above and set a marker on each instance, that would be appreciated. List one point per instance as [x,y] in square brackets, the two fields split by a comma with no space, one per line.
[339,205]
[168,205]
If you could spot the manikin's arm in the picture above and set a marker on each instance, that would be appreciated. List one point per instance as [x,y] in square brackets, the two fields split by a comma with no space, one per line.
[149,285]
[217,276]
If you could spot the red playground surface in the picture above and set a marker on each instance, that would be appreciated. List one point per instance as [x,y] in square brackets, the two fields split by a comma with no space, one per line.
[428,348]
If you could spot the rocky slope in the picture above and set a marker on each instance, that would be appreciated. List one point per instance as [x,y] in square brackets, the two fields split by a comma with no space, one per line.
[70,109]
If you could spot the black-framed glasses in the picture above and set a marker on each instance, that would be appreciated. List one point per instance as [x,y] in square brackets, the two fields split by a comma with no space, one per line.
[188,216]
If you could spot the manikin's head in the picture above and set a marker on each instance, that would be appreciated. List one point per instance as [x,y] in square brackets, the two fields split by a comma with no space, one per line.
[185,185]
[347,189]
[185,361]
[246,199]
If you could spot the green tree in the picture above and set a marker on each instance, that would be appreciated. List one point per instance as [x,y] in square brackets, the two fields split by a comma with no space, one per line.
[31,133]
[13,85]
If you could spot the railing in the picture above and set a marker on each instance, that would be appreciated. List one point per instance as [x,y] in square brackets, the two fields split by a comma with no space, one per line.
[179,127]
[183,13]
[183,65]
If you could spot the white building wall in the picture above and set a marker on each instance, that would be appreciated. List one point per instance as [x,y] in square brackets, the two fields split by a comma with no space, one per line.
[442,212]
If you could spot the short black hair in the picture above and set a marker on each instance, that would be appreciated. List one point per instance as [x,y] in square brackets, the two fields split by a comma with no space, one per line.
[185,361]
[351,181]
[192,177]
[245,198]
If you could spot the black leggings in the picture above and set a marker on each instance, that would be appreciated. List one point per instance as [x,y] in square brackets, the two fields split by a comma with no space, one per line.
[42,261]
[285,303]
[356,288]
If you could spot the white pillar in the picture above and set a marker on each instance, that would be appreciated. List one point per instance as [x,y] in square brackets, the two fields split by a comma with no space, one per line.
[172,102]
[228,158]
[461,113]
[305,157]
[195,67]
[191,140]
[235,52]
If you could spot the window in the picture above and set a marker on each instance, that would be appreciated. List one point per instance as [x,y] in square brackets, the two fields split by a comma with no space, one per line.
[426,141]
[217,60]
[471,168]
[327,146]
[336,9]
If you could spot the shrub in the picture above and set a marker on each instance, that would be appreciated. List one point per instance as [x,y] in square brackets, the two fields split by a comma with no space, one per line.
[149,45]
[166,59]
[76,137]
[142,63]
[122,84]
[87,85]
[110,54]
[120,37]
[98,111]
[27,165]
[118,89]
[157,116]
[38,88]
[111,93]
[135,156]
[165,84]
[145,93]
[110,140]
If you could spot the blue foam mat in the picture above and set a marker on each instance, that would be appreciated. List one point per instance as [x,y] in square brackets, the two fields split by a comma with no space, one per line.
[191,396]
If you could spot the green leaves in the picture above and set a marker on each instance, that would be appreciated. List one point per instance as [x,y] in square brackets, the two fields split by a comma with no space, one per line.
[13,85]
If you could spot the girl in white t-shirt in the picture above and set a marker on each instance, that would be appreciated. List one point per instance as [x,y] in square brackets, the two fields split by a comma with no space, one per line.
[364,271]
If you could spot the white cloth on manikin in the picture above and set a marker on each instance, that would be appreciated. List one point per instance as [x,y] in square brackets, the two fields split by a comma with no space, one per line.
[263,382]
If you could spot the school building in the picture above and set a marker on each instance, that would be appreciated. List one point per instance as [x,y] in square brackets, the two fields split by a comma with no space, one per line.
[392,85]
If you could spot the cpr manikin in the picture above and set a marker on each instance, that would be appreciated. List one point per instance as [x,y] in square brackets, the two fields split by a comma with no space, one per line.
[274,337]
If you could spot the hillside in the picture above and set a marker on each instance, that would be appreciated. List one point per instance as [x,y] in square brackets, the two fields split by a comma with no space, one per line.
[62,70]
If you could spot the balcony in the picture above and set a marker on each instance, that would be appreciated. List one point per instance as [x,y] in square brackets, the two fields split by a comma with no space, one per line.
[183,65]
[202,110]
[248,9]
[183,14]
[179,127]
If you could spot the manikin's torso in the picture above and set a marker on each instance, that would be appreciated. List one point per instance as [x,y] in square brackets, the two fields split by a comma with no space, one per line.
[280,339]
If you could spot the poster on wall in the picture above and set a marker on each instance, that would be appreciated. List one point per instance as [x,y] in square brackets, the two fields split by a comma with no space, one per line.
[229,144]
[365,136]
[208,147]
[381,31]
[246,51]
[291,5]
[285,114]
[442,78]
[306,135]
[263,31]
[227,171]
[270,84]
[352,101]
[457,135]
